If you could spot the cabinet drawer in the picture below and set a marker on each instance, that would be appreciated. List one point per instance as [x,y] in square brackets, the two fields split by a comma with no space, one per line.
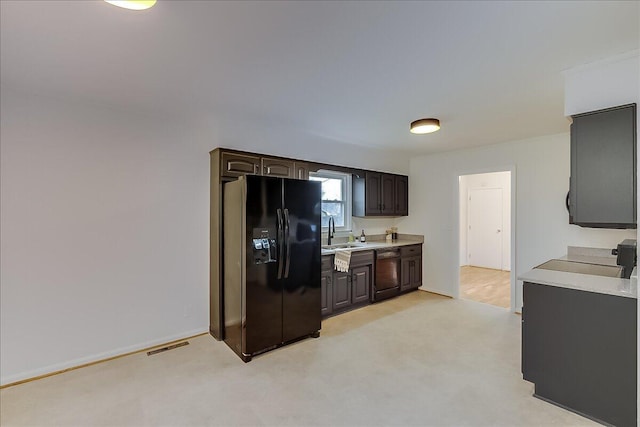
[327,263]
[410,250]
[361,258]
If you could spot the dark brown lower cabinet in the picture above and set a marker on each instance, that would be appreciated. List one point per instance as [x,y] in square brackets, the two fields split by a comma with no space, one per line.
[579,349]
[342,291]
[410,268]
[326,286]
[360,284]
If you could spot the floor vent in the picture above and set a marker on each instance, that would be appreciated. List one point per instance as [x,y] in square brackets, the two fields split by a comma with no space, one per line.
[169,347]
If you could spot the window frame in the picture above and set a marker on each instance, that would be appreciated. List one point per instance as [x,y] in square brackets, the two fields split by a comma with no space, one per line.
[347,201]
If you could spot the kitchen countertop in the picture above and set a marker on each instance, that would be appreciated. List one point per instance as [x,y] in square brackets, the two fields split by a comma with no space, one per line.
[374,244]
[583,282]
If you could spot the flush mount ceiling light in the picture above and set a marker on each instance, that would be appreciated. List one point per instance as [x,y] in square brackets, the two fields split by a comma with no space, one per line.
[425,126]
[132,4]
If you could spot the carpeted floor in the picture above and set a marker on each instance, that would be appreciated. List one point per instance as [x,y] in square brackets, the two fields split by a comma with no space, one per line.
[419,359]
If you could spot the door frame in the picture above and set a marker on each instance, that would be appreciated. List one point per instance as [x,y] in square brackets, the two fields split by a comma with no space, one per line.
[455,235]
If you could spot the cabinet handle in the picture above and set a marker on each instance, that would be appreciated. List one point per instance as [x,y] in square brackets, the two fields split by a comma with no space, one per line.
[256,169]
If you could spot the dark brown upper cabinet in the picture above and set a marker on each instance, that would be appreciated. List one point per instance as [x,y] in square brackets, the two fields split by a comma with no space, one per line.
[402,195]
[301,170]
[380,194]
[277,167]
[235,165]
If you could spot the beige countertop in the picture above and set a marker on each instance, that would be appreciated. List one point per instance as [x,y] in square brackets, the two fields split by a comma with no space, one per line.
[584,282]
[373,244]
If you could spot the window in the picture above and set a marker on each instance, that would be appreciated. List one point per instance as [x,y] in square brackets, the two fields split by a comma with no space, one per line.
[336,198]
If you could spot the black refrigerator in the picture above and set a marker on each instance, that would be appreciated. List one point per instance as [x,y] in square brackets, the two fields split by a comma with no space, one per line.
[272,262]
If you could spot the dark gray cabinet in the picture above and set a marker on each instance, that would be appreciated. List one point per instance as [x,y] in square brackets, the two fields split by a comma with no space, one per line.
[603,168]
[410,267]
[380,194]
[579,348]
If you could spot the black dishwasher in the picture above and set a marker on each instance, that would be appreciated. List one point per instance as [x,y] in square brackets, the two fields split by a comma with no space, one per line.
[387,280]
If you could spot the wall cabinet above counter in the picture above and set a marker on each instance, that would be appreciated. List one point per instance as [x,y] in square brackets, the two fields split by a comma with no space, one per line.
[603,168]
[380,194]
[236,164]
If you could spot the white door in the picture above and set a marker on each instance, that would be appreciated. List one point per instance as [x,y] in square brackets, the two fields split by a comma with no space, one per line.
[484,237]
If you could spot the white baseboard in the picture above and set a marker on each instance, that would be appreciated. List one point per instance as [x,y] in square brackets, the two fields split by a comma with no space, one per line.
[433,291]
[96,357]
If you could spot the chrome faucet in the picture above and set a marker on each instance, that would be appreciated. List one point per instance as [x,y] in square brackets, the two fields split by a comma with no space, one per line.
[331,229]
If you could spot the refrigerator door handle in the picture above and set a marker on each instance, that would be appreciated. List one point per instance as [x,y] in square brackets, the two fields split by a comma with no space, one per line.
[286,237]
[280,243]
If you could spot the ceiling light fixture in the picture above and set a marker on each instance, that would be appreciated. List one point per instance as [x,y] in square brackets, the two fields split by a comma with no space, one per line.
[132,4]
[425,126]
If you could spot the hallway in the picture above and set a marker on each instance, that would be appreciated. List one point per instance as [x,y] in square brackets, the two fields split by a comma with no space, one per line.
[485,285]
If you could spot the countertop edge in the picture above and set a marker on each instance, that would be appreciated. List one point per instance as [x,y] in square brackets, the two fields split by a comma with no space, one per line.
[375,245]
[582,282]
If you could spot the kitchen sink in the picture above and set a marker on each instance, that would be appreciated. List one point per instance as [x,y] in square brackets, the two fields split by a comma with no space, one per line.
[343,246]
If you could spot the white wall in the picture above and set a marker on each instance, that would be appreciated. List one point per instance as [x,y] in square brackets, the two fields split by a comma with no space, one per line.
[603,84]
[542,168]
[500,180]
[103,249]
[105,225]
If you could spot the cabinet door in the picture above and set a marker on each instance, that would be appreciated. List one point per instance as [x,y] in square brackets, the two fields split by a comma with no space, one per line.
[277,167]
[326,294]
[361,283]
[341,290]
[373,187]
[603,168]
[301,170]
[405,273]
[401,195]
[410,273]
[235,165]
[416,277]
[388,191]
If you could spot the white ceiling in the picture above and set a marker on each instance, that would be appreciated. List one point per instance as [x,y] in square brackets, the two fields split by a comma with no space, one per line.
[357,72]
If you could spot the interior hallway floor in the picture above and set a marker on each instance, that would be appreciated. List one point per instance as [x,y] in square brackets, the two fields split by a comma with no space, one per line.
[419,359]
[486,285]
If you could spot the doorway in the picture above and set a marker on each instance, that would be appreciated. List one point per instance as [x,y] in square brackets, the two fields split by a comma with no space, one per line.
[485,238]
